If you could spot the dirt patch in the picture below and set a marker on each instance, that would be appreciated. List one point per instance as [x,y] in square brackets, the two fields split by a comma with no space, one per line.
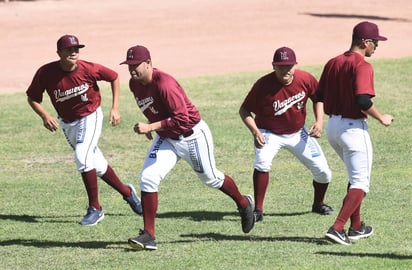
[192,37]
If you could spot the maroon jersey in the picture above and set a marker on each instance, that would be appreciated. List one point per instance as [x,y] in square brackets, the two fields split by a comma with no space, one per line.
[344,77]
[279,108]
[163,99]
[73,94]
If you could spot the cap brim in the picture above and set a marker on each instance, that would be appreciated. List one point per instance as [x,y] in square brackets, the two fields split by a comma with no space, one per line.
[131,62]
[381,38]
[284,63]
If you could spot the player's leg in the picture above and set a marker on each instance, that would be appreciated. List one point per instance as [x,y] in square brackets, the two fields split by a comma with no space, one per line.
[197,150]
[358,160]
[262,165]
[159,161]
[79,135]
[308,151]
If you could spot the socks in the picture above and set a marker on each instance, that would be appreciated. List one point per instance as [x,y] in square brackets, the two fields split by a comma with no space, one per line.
[229,188]
[111,178]
[260,184]
[149,205]
[90,182]
[319,190]
[351,204]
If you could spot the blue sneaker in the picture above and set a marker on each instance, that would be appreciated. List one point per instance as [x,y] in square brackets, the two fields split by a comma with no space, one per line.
[134,201]
[92,217]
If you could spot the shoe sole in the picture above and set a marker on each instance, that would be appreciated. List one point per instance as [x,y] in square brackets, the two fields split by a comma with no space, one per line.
[97,221]
[140,246]
[336,239]
[360,236]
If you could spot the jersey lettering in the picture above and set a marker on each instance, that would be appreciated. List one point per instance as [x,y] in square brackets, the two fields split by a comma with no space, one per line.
[281,107]
[61,96]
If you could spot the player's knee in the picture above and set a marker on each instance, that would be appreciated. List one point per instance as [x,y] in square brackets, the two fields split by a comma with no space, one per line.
[323,177]
[148,186]
[262,167]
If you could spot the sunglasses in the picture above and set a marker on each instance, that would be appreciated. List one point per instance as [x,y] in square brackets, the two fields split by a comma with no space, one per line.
[375,42]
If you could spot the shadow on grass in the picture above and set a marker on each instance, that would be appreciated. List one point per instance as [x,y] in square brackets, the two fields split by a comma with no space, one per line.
[215,216]
[374,255]
[222,237]
[46,219]
[58,244]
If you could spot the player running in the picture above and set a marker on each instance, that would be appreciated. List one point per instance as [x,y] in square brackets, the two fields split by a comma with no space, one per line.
[181,134]
[346,88]
[72,87]
[278,102]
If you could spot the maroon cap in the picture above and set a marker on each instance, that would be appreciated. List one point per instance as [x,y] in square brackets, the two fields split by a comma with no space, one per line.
[68,41]
[136,55]
[367,30]
[284,56]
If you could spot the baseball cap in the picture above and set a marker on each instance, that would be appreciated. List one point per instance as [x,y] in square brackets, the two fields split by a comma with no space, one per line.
[284,56]
[68,41]
[136,55]
[367,30]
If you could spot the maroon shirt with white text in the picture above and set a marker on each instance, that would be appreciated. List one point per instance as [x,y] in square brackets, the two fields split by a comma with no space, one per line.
[279,108]
[163,99]
[73,94]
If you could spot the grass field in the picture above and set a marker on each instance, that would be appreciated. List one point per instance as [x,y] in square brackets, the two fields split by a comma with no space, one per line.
[42,197]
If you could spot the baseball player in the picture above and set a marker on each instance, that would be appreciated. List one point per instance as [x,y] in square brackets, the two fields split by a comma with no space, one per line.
[72,87]
[346,88]
[181,134]
[274,111]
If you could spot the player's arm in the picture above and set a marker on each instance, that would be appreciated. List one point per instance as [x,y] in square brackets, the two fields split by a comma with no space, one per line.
[114,117]
[48,121]
[316,129]
[250,123]
[365,102]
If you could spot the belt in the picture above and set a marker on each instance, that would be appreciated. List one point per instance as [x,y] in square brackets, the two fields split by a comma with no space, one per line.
[185,134]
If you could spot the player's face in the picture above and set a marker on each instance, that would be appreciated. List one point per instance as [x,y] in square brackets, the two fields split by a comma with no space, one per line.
[284,73]
[371,46]
[140,72]
[69,55]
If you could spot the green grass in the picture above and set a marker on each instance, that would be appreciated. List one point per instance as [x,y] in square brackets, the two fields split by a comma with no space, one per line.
[42,197]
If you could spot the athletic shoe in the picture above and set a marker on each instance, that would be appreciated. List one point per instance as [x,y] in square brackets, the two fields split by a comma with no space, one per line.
[134,201]
[323,209]
[338,237]
[247,215]
[143,242]
[92,217]
[365,231]
[258,215]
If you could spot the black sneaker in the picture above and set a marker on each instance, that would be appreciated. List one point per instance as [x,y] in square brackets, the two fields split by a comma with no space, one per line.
[338,237]
[247,215]
[258,215]
[323,209]
[143,241]
[365,231]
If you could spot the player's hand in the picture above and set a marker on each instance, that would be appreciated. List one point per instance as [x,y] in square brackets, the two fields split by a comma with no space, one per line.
[114,117]
[260,140]
[386,120]
[142,128]
[50,123]
[149,136]
[315,130]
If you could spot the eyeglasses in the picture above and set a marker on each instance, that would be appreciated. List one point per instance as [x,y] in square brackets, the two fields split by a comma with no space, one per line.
[375,42]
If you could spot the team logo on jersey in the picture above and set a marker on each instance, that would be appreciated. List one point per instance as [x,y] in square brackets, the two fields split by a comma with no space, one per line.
[281,107]
[61,96]
[145,104]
